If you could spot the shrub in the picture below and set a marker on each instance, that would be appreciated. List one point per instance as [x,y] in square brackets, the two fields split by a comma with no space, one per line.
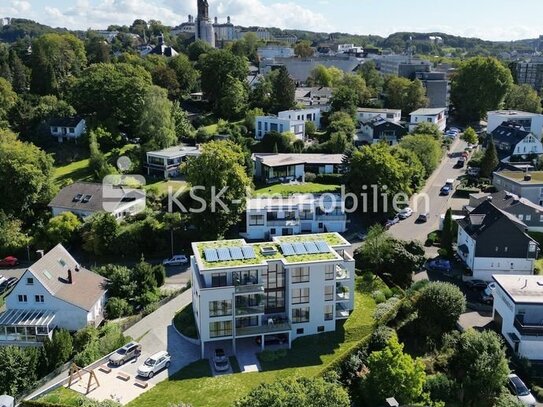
[387,292]
[88,355]
[380,338]
[310,177]
[378,296]
[388,308]
[329,179]
[117,308]
[440,387]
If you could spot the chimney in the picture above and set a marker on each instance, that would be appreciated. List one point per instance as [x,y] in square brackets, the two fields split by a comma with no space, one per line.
[190,19]
[70,277]
[228,19]
[77,267]
[40,252]
[216,20]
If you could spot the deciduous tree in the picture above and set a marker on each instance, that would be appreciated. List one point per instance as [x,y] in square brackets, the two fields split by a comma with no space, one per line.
[523,97]
[490,159]
[470,136]
[427,149]
[283,91]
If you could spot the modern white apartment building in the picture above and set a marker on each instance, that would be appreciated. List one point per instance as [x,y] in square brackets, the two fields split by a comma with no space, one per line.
[531,122]
[266,124]
[518,313]
[299,213]
[436,116]
[364,114]
[287,288]
[307,115]
[166,162]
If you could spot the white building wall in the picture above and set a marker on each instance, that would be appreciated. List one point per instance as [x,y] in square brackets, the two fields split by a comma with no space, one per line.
[67,316]
[365,115]
[485,267]
[530,145]
[495,119]
[263,125]
[311,115]
[435,119]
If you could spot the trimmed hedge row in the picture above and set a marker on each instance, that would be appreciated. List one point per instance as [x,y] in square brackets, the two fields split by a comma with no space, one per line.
[34,403]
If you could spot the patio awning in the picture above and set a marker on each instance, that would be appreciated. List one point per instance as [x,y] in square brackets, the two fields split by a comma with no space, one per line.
[29,318]
[463,248]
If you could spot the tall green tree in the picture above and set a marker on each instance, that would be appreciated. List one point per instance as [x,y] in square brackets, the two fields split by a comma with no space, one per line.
[100,233]
[429,129]
[490,159]
[18,369]
[470,136]
[13,238]
[303,49]
[156,126]
[447,236]
[62,228]
[166,78]
[98,50]
[478,86]
[479,364]
[20,73]
[394,373]
[8,98]
[427,149]
[401,93]
[220,167]
[198,48]
[233,99]
[59,349]
[523,97]
[283,91]
[187,75]
[97,161]
[344,99]
[374,79]
[300,392]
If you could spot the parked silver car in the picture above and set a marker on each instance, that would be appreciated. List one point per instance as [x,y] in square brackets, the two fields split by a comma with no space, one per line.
[127,352]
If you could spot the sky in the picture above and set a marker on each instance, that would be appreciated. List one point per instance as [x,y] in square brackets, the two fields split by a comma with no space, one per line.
[502,20]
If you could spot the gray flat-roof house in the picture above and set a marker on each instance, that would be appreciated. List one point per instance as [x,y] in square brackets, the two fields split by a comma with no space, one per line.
[527,185]
[166,162]
[492,241]
[54,292]
[86,198]
[526,211]
[271,168]
[67,128]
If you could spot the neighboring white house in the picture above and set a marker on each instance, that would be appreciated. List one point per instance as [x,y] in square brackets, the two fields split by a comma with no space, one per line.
[275,51]
[266,124]
[436,116]
[68,128]
[511,139]
[528,185]
[272,167]
[365,114]
[293,215]
[307,115]
[518,313]
[85,199]
[532,122]
[288,288]
[492,241]
[166,162]
[54,292]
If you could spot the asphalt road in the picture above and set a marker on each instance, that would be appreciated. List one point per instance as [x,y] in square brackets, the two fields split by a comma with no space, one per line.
[437,204]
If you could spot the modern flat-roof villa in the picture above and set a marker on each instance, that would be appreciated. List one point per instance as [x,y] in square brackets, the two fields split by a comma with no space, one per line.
[290,287]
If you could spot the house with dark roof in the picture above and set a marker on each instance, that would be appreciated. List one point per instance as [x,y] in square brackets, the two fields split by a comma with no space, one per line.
[86,198]
[54,292]
[163,49]
[511,139]
[379,129]
[492,241]
[526,211]
[67,128]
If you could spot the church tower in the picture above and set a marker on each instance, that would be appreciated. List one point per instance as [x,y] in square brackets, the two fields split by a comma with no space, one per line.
[204,26]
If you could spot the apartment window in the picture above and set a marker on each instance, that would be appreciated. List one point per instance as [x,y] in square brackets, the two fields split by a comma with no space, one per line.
[541,218]
[220,308]
[274,283]
[300,315]
[218,329]
[320,328]
[300,331]
[246,322]
[300,275]
[72,130]
[256,220]
[329,271]
[329,293]
[532,247]
[328,312]
[528,218]
[30,281]
[218,280]
[506,249]
[22,298]
[39,299]
[521,217]
[300,295]
[272,230]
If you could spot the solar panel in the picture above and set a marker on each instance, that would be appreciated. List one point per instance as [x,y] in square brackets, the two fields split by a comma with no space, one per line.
[299,248]
[211,255]
[287,249]
[248,252]
[224,254]
[322,246]
[311,247]
[235,253]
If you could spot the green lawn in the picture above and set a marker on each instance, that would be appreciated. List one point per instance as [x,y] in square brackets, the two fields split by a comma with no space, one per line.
[306,188]
[63,396]
[164,185]
[308,356]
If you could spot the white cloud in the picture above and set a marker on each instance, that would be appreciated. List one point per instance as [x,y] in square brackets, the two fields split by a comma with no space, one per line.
[15,8]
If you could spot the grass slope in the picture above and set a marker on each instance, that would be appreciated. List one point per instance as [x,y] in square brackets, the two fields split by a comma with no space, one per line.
[287,189]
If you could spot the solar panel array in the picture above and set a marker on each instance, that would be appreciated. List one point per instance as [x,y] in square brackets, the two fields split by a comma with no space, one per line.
[292,249]
[229,253]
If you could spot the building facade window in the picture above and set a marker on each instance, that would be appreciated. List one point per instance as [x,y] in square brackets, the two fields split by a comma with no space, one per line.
[219,329]
[328,312]
[22,298]
[256,220]
[300,295]
[329,293]
[275,287]
[300,315]
[219,280]
[220,308]
[39,299]
[300,275]
[320,328]
[329,271]
[30,281]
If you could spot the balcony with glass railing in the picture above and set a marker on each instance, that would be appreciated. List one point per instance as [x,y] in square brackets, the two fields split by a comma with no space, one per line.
[341,312]
[342,293]
[267,325]
[342,273]
[528,328]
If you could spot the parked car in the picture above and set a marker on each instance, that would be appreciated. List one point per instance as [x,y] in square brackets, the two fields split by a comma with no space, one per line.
[154,364]
[391,222]
[445,190]
[460,163]
[474,285]
[405,213]
[487,295]
[440,265]
[9,261]
[177,260]
[473,171]
[521,391]
[128,352]
[220,361]
[423,217]
[8,283]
